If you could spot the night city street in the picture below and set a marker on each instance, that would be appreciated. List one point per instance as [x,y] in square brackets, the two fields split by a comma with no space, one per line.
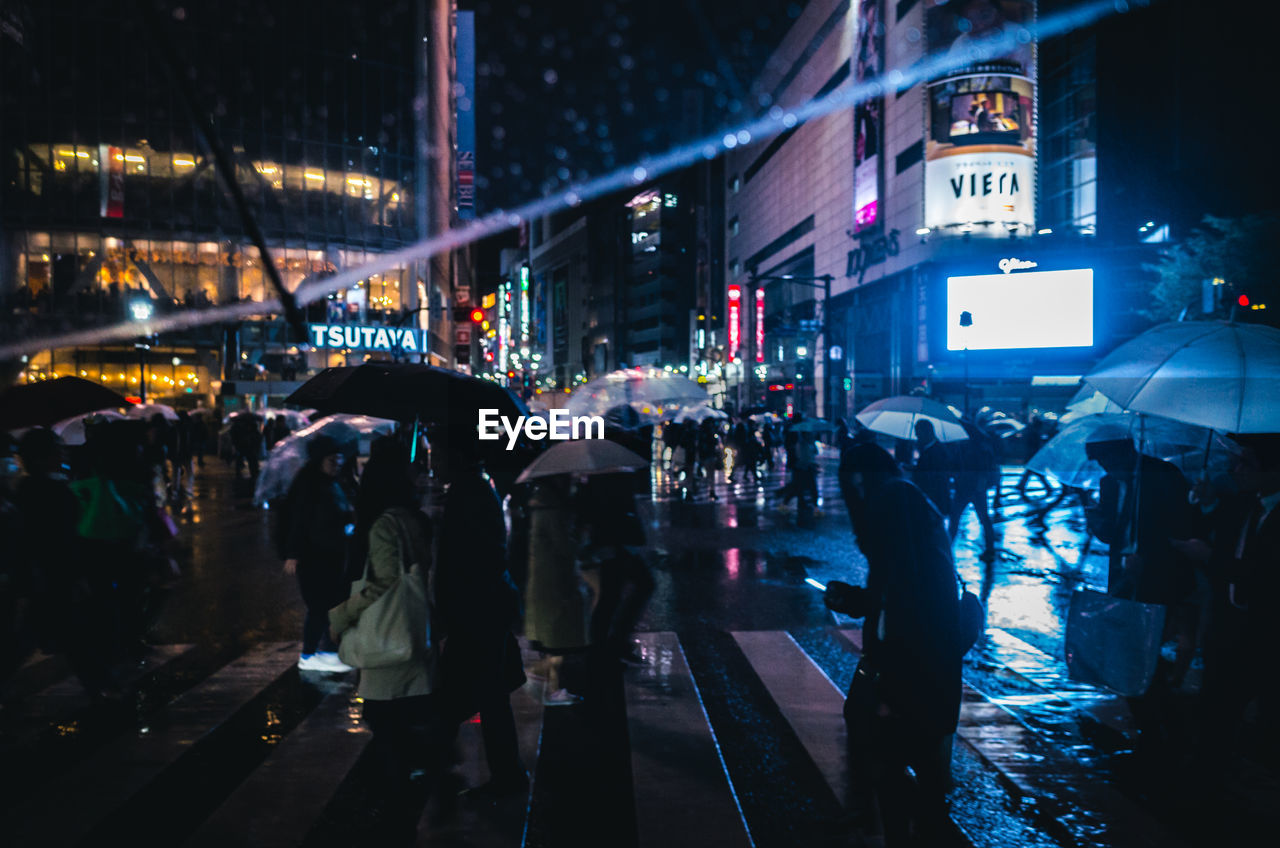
[744,423]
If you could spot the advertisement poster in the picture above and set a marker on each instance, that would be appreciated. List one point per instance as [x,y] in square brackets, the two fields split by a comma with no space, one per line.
[868,118]
[466,114]
[980,149]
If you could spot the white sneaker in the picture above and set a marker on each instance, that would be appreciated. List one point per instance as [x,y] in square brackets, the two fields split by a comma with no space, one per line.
[329,662]
[310,662]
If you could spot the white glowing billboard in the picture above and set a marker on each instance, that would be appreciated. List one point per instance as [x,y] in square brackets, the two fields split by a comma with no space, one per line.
[1035,309]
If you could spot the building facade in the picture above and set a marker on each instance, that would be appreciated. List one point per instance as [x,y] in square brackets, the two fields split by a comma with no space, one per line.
[114,205]
[853,238]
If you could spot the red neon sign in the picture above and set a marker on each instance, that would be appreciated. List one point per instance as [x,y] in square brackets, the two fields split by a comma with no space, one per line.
[735,320]
[759,325]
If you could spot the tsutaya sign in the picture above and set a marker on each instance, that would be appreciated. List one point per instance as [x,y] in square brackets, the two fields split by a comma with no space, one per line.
[367,338]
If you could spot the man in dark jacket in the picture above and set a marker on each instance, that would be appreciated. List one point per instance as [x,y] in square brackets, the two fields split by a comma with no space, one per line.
[479,605]
[976,470]
[1239,552]
[904,710]
[318,526]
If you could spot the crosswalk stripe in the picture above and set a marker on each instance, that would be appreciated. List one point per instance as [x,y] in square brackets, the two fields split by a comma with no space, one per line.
[107,780]
[681,787]
[812,704]
[503,824]
[299,778]
[56,702]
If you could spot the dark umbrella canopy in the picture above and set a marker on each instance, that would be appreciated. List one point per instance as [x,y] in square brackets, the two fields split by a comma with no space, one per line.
[49,401]
[446,403]
[405,391]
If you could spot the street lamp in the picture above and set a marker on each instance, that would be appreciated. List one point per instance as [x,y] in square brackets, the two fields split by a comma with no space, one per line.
[823,282]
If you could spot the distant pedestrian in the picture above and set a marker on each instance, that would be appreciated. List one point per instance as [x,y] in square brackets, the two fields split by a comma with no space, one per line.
[975,470]
[613,535]
[932,471]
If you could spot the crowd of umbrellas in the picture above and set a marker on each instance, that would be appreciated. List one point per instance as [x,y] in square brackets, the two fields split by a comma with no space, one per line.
[1175,390]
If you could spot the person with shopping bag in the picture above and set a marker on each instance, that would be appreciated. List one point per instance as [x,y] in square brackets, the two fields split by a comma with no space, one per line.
[385,630]
[1142,510]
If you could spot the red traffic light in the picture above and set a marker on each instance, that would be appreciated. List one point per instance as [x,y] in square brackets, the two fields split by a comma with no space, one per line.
[1243,300]
[477,315]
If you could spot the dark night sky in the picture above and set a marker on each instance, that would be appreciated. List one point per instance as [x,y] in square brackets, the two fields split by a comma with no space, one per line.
[569,90]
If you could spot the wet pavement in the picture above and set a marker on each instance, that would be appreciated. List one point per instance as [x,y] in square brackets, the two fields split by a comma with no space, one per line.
[733,725]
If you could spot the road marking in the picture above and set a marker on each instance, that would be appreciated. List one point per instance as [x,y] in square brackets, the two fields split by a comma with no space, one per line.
[683,793]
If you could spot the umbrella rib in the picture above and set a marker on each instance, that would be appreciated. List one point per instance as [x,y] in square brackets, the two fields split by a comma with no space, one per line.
[1164,362]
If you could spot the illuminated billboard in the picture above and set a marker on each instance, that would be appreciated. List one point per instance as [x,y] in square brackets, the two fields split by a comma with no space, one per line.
[980,144]
[1035,309]
[867,118]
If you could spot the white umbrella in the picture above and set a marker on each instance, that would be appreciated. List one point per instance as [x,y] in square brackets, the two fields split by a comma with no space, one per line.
[897,416]
[648,391]
[583,456]
[1063,457]
[144,411]
[1216,374]
[700,414]
[71,430]
[295,419]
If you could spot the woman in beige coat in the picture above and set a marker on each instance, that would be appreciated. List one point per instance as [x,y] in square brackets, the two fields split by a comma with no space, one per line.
[555,608]
[397,699]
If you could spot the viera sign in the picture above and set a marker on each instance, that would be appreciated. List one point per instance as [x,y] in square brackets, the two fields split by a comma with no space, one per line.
[350,337]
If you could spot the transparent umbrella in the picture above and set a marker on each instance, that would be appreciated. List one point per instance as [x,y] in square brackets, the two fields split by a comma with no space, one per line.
[648,391]
[1063,457]
[583,456]
[1216,374]
[354,432]
[897,416]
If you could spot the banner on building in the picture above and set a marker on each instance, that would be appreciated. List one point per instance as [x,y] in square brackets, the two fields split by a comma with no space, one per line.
[465,112]
[111,181]
[980,146]
[868,118]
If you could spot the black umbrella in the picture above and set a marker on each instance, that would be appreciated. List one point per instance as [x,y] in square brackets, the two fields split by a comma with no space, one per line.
[49,401]
[406,391]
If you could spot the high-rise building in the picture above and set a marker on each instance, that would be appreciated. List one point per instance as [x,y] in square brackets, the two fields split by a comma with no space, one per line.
[122,128]
[966,235]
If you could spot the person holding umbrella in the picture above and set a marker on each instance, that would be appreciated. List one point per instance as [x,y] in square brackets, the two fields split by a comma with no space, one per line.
[1142,508]
[317,528]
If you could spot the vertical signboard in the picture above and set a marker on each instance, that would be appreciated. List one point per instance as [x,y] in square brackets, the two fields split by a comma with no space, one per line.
[465,113]
[759,325]
[867,118]
[980,146]
[735,320]
[111,181]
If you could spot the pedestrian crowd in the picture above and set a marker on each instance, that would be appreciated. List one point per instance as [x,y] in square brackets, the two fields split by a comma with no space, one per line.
[88,531]
[561,562]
